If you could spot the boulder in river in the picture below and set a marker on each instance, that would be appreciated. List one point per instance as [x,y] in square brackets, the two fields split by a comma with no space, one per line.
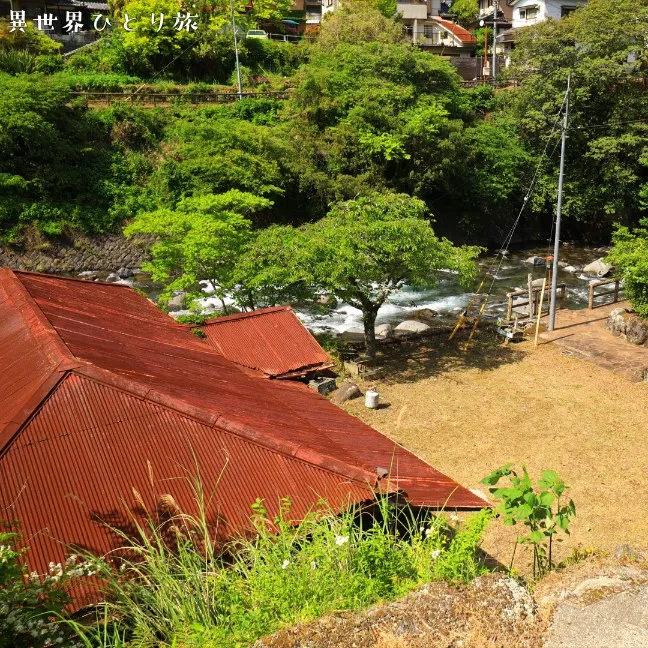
[113,277]
[599,268]
[410,327]
[384,331]
[125,273]
[353,335]
[425,315]
[177,303]
[570,268]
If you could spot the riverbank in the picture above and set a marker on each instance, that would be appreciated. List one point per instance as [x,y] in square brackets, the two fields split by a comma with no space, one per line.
[469,412]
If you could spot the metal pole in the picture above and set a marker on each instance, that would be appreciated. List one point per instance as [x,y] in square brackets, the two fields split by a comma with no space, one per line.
[495,10]
[554,269]
[236,53]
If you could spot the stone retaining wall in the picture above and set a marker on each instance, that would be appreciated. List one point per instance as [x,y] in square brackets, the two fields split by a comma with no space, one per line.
[105,253]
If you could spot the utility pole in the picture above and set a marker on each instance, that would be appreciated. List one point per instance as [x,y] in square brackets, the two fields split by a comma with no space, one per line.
[236,53]
[494,66]
[554,269]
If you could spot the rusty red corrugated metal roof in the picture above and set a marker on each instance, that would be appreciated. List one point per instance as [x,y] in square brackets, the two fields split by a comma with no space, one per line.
[106,390]
[272,340]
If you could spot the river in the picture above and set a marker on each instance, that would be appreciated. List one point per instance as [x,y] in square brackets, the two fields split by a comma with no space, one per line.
[447,297]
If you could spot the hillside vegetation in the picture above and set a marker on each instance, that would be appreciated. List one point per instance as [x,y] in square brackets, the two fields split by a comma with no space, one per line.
[366,112]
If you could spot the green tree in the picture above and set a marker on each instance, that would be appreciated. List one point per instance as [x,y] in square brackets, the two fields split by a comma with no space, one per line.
[358,21]
[367,248]
[603,47]
[630,254]
[201,240]
[465,10]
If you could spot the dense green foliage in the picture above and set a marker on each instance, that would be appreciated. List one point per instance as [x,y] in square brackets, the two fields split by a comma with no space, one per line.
[195,592]
[603,47]
[360,252]
[367,112]
[630,256]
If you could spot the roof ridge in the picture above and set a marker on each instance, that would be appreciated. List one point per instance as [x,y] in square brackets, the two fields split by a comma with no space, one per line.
[212,419]
[115,284]
[53,345]
[246,315]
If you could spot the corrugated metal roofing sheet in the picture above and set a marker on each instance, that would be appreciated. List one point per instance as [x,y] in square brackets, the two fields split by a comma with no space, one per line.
[111,383]
[272,340]
[73,468]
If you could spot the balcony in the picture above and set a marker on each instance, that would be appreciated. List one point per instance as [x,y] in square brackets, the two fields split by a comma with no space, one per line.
[413,10]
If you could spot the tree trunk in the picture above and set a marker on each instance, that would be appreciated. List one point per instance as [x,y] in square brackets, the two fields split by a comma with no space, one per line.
[369,321]
[222,301]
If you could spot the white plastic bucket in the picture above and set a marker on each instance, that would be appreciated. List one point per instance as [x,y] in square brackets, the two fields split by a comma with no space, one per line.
[371,399]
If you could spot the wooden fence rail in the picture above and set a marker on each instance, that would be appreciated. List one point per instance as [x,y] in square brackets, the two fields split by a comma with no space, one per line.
[155,98]
[604,282]
[536,290]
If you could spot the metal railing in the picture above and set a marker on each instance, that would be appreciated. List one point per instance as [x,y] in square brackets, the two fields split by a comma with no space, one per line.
[604,282]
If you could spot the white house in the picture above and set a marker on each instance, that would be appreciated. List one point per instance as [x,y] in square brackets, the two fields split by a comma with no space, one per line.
[530,12]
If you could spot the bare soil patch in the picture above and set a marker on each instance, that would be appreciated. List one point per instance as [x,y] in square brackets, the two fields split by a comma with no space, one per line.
[468,412]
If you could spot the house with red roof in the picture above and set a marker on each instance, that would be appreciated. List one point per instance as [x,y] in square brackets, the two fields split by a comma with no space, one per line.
[108,407]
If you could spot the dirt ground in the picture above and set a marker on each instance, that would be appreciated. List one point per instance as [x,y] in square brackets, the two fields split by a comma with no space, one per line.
[468,412]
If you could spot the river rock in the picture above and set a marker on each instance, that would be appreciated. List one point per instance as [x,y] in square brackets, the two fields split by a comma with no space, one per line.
[425,315]
[636,331]
[384,331]
[536,261]
[616,321]
[410,327]
[346,391]
[353,335]
[125,273]
[177,303]
[599,268]
[113,277]
[570,268]
[537,283]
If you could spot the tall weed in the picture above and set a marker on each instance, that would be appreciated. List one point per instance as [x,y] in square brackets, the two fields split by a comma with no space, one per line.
[177,586]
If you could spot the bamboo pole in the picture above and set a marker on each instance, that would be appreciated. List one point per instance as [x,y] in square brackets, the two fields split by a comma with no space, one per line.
[542,292]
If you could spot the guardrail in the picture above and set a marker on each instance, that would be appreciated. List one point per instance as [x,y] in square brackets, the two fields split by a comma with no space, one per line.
[161,98]
[604,282]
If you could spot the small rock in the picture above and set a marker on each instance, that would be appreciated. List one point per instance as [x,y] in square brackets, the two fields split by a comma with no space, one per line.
[599,268]
[112,277]
[570,269]
[425,315]
[177,302]
[536,261]
[346,391]
[410,327]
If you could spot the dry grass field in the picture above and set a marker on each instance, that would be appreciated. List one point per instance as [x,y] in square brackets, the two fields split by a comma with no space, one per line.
[468,412]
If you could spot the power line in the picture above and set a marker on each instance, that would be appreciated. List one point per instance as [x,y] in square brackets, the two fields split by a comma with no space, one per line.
[611,125]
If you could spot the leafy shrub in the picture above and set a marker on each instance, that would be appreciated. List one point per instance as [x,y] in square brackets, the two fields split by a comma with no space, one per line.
[630,255]
[31,605]
[197,593]
[31,39]
[15,61]
[534,508]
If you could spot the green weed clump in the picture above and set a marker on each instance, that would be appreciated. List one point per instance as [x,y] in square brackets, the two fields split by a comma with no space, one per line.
[191,591]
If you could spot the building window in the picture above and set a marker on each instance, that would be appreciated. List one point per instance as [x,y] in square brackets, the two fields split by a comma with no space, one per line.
[428,31]
[530,13]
